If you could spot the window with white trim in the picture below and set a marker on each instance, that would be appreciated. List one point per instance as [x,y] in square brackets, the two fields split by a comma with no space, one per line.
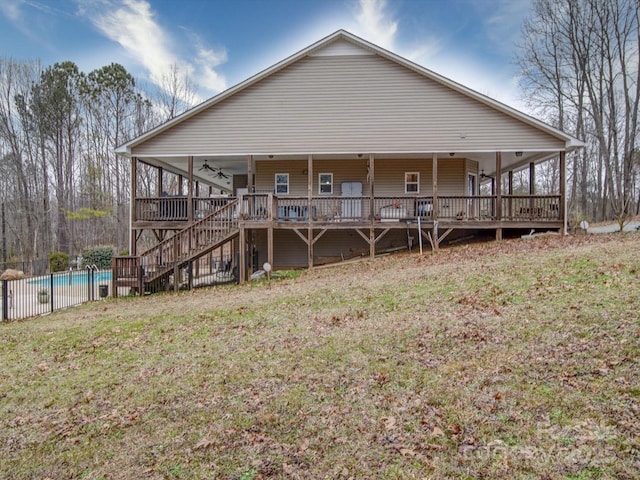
[325,183]
[412,182]
[282,183]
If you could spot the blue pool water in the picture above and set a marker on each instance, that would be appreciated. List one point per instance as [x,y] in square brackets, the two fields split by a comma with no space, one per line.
[77,278]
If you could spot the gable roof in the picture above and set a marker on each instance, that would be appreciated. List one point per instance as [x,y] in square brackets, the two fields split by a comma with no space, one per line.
[345,43]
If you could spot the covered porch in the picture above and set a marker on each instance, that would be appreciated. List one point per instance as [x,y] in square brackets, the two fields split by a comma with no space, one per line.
[444,200]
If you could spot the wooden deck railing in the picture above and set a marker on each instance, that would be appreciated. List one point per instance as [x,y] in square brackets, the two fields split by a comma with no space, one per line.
[199,236]
[522,208]
[175,208]
[259,207]
[474,207]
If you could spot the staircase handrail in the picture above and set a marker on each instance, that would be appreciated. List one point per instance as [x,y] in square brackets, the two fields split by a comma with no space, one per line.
[223,220]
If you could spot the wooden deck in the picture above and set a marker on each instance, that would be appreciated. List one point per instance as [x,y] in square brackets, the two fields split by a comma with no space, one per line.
[203,227]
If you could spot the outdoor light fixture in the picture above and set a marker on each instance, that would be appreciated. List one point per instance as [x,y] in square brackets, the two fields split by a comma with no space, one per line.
[518,154]
[452,154]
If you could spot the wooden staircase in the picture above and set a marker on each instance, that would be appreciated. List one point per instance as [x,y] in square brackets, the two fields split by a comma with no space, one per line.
[151,270]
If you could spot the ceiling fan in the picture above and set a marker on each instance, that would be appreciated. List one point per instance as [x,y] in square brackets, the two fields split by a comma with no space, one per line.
[215,171]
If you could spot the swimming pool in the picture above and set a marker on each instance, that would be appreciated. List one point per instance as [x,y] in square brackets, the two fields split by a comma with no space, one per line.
[63,279]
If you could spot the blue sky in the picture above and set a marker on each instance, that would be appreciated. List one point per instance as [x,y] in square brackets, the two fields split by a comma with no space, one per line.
[222,42]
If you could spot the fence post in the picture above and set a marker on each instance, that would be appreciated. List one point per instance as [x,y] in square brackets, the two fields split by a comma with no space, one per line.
[5,300]
[52,292]
[89,284]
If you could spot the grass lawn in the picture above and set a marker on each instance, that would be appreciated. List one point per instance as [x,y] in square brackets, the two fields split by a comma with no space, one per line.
[513,359]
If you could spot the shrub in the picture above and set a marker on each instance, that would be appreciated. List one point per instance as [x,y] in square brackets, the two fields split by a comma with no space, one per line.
[12,262]
[58,262]
[98,256]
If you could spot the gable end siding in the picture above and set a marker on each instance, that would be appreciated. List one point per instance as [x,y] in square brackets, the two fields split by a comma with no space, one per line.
[347,104]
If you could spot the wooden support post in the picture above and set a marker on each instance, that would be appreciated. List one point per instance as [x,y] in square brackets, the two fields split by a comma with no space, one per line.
[563,191]
[190,190]
[532,178]
[270,245]
[271,212]
[434,173]
[176,268]
[498,184]
[310,211]
[133,244]
[532,187]
[180,185]
[251,167]
[372,206]
[242,268]
[372,242]
[510,192]
[160,186]
[434,180]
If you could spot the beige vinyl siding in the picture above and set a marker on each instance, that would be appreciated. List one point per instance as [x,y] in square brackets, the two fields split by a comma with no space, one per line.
[389,175]
[451,176]
[346,103]
[343,171]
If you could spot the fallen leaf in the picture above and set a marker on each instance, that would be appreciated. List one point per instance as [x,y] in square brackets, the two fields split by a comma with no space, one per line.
[389,422]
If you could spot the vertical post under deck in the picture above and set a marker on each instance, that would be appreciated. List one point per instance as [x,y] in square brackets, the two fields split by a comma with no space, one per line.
[271,213]
[434,174]
[563,191]
[372,230]
[242,272]
[309,211]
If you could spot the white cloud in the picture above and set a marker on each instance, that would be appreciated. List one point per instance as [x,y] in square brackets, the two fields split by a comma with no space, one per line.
[374,24]
[134,26]
[11,9]
[502,21]
[207,59]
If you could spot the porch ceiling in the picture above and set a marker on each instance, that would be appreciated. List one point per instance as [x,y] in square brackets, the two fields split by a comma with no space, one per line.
[237,164]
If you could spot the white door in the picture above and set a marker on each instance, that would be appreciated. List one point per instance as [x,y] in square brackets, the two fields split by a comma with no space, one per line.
[351,207]
[472,191]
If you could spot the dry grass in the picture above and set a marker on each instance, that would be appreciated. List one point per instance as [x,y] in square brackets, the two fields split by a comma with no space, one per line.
[516,359]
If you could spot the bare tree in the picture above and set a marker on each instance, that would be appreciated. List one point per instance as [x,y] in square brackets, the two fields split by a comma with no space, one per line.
[176,93]
[579,62]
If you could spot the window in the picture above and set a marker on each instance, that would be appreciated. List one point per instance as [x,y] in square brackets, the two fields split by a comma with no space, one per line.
[282,183]
[412,182]
[325,183]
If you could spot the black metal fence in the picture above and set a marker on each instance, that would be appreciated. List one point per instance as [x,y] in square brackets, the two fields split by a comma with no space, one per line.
[33,296]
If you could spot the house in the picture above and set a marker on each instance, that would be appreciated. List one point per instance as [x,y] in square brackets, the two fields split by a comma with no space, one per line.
[343,149]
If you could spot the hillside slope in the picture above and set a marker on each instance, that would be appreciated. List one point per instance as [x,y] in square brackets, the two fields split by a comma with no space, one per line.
[514,359]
